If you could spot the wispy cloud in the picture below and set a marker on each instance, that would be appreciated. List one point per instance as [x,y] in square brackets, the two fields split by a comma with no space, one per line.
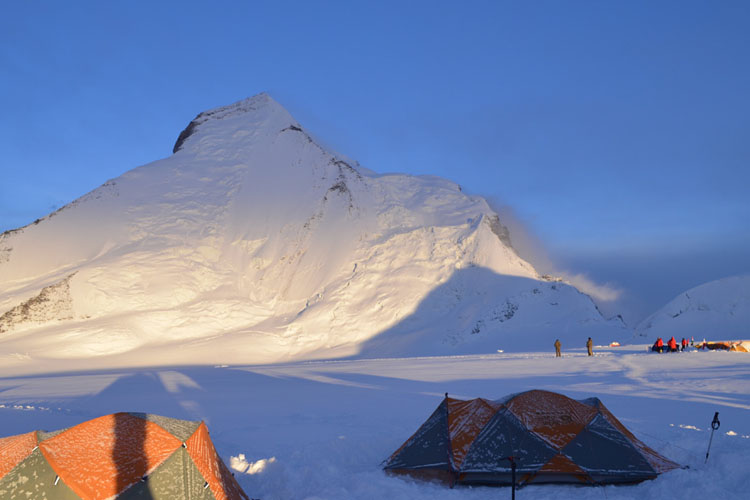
[600,292]
[531,248]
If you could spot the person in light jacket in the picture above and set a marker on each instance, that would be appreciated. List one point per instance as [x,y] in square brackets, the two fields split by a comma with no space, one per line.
[590,346]
[558,345]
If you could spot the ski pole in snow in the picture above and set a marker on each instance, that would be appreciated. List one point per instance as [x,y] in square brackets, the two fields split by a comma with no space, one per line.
[714,425]
[513,477]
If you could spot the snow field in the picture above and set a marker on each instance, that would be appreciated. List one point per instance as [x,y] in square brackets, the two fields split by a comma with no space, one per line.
[319,430]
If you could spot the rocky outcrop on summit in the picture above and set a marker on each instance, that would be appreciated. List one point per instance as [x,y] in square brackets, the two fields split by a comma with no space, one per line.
[238,108]
[258,241]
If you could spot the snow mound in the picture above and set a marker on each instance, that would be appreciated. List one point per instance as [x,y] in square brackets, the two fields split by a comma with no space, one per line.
[718,310]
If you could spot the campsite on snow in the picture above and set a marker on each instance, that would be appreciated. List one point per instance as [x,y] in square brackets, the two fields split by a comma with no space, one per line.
[326,322]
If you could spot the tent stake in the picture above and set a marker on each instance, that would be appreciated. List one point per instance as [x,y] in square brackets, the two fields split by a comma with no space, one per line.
[714,425]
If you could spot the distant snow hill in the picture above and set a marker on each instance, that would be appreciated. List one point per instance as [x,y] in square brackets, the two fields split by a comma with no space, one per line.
[717,310]
[252,243]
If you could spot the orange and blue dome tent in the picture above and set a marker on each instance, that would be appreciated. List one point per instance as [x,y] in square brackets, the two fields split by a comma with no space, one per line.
[123,456]
[545,436]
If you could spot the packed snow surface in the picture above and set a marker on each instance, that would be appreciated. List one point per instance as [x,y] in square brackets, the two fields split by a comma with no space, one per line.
[321,429]
[254,244]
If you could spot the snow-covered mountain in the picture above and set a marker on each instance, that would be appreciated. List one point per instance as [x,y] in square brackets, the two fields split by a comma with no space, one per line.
[253,243]
[717,310]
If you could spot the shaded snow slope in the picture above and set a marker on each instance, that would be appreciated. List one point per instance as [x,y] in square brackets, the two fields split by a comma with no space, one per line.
[253,243]
[718,310]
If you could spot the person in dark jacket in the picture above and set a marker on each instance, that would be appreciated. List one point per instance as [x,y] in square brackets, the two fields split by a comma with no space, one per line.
[558,345]
[590,346]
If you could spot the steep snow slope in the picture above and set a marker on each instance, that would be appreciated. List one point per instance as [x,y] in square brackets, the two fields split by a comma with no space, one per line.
[718,310]
[253,243]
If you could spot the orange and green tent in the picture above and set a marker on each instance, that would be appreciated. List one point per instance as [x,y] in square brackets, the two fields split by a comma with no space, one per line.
[549,437]
[123,456]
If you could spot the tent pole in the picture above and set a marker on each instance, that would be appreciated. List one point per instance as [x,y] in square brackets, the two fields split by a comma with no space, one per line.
[714,425]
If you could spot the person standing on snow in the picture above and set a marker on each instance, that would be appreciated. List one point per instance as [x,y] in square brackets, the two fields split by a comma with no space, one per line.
[672,344]
[659,345]
[684,343]
[558,345]
[590,346]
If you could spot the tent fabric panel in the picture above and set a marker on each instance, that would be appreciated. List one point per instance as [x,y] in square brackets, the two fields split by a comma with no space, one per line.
[561,469]
[659,462]
[620,478]
[428,447]
[44,435]
[219,477]
[546,477]
[719,345]
[505,436]
[594,402]
[466,419]
[506,478]
[604,452]
[14,449]
[104,456]
[563,464]
[554,417]
[176,477]
[34,478]
[181,429]
[443,476]
[487,478]
[504,400]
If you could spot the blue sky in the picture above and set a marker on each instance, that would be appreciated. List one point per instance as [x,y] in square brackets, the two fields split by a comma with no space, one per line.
[616,133]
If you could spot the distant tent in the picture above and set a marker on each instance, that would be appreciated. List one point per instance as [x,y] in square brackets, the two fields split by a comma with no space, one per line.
[740,346]
[123,456]
[552,439]
[725,345]
[721,345]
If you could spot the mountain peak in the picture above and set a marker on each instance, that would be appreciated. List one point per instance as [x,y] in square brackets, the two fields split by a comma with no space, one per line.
[258,108]
[255,244]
